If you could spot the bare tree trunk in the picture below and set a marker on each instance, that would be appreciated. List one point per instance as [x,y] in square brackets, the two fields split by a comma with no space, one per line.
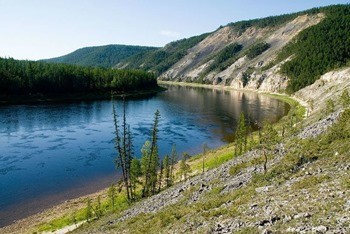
[265,162]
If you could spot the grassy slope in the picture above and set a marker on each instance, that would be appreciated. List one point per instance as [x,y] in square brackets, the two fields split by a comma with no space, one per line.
[307,168]
[213,159]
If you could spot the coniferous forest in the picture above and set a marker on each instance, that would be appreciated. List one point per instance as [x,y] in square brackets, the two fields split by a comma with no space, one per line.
[28,77]
[318,49]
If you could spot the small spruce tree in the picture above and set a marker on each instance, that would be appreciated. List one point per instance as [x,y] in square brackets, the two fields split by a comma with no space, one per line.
[111,195]
[135,174]
[166,166]
[241,135]
[184,167]
[88,210]
[329,106]
[345,99]
[269,137]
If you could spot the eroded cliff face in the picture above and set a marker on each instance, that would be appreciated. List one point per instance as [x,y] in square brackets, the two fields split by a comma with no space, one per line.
[244,73]
[329,87]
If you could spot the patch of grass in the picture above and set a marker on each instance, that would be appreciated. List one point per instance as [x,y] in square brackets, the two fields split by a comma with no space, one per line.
[248,230]
[234,170]
[297,109]
[310,182]
[78,216]
[153,223]
[346,182]
[213,158]
[217,160]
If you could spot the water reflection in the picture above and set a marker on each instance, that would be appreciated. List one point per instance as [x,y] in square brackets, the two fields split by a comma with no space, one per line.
[46,150]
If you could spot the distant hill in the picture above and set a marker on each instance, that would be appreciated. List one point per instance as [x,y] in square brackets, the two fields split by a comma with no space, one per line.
[101,56]
[160,60]
[276,54]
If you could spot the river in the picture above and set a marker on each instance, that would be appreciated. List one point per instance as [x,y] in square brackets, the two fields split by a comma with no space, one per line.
[53,152]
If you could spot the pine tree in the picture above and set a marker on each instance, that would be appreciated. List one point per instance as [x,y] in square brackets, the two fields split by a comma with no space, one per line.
[329,106]
[88,210]
[150,186]
[166,166]
[124,148]
[205,150]
[241,135]
[173,160]
[269,137]
[98,208]
[111,194]
[345,99]
[160,177]
[184,167]
[135,174]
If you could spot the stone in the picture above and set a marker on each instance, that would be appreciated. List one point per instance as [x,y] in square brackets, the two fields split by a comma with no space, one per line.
[263,189]
[320,229]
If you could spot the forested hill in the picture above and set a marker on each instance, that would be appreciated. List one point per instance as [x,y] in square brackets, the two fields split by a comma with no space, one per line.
[276,54]
[280,53]
[28,77]
[160,60]
[101,56]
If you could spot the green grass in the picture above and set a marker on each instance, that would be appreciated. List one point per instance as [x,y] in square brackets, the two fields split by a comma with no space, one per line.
[296,110]
[80,215]
[310,182]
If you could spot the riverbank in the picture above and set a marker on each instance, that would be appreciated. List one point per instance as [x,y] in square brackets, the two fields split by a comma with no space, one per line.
[214,159]
[239,196]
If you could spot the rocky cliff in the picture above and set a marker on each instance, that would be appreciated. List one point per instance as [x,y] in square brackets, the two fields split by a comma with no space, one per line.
[244,72]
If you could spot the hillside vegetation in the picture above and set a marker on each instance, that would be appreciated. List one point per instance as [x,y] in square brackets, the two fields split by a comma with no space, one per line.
[160,60]
[236,194]
[101,56]
[314,41]
[290,50]
[28,77]
[318,49]
[293,177]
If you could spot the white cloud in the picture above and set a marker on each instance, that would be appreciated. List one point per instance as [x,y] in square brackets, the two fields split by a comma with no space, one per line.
[168,33]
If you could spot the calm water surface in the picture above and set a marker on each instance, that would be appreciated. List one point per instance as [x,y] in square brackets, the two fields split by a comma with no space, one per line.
[50,153]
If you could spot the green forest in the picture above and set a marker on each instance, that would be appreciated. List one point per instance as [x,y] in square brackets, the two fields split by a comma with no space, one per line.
[28,77]
[318,49]
[101,56]
[160,60]
[257,49]
[224,58]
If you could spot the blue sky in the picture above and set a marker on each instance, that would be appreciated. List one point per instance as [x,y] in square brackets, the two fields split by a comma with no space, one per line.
[35,29]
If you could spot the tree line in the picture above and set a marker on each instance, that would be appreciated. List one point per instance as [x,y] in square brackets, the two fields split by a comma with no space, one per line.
[106,56]
[29,77]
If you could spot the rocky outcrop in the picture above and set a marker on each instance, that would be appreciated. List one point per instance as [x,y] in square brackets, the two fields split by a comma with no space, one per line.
[244,73]
[329,87]
[284,206]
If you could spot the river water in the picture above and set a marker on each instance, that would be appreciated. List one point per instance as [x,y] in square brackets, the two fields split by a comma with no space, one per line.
[53,152]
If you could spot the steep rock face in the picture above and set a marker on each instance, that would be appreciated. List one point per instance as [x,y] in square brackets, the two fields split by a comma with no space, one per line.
[244,73]
[330,86]
[197,56]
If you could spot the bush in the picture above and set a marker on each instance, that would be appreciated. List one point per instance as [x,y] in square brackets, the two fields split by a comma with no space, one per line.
[257,49]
